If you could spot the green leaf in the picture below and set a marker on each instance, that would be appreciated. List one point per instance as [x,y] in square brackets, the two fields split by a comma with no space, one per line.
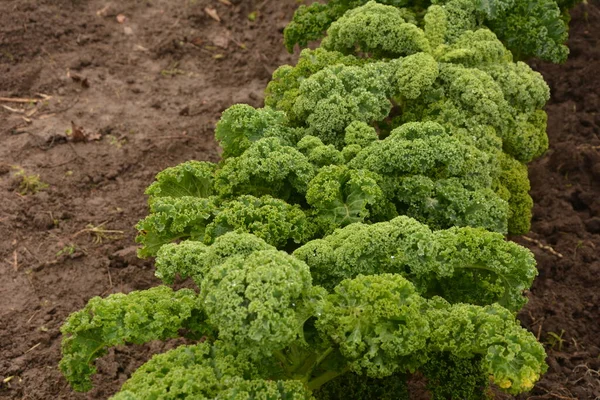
[172,219]
[241,125]
[340,196]
[138,317]
[192,178]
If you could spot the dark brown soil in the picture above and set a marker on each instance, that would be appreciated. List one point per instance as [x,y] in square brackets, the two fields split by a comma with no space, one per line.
[564,306]
[147,92]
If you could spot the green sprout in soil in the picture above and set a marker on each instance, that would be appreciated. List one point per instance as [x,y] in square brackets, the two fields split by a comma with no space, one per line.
[68,250]
[28,184]
[556,340]
[114,141]
[579,245]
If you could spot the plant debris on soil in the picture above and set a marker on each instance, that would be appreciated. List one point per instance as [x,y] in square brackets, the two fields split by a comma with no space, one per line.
[98,96]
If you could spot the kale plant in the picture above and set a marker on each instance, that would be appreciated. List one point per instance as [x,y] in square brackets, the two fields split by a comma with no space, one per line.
[528,28]
[353,233]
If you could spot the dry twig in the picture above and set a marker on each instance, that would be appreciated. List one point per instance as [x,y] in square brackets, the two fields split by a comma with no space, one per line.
[109,277]
[18,100]
[32,315]
[99,233]
[34,347]
[15,261]
[543,246]
[14,110]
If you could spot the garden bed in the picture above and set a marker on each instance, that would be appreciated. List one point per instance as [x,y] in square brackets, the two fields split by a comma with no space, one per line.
[146,82]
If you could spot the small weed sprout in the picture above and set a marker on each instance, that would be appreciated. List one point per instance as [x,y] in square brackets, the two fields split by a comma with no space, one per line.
[556,340]
[67,250]
[28,184]
[114,141]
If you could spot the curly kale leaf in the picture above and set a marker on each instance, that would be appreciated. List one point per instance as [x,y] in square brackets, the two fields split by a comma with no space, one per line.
[319,153]
[329,100]
[253,300]
[527,139]
[479,267]
[310,22]
[241,125]
[425,149]
[192,218]
[272,220]
[360,133]
[414,75]
[192,178]
[475,95]
[340,196]
[449,20]
[523,88]
[283,89]
[511,355]
[377,322]
[447,202]
[489,108]
[266,389]
[514,180]
[527,28]
[459,264]
[377,30]
[205,372]
[533,28]
[202,371]
[383,326]
[361,249]
[174,218]
[183,260]
[526,93]
[138,317]
[476,48]
[179,373]
[267,168]
[195,259]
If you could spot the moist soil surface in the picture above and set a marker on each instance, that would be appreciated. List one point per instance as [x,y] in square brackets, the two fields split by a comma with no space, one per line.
[117,91]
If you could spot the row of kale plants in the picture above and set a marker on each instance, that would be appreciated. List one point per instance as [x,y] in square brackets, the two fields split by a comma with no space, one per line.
[354,232]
